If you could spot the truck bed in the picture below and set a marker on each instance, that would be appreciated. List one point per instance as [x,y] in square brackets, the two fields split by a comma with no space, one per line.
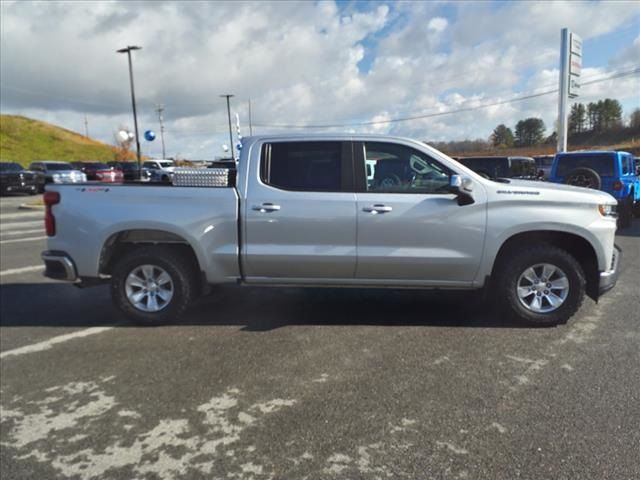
[89,215]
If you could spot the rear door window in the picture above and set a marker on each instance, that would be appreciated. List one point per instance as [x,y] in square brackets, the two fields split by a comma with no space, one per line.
[305,166]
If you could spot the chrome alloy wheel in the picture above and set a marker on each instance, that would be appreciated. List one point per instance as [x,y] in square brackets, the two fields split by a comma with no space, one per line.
[543,288]
[149,288]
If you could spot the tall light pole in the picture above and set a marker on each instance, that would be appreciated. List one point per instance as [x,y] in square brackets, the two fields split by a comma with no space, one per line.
[228,96]
[128,50]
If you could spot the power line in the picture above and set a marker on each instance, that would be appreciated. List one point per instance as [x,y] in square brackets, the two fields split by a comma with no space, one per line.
[439,114]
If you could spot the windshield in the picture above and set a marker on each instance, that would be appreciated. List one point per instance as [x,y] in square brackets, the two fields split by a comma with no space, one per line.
[603,164]
[58,166]
[10,167]
[127,166]
[97,166]
[523,167]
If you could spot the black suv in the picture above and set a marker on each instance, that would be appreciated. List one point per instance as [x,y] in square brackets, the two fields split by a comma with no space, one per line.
[131,172]
[502,167]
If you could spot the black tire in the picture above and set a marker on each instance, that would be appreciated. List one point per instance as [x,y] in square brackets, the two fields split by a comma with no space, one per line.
[180,267]
[516,262]
[584,177]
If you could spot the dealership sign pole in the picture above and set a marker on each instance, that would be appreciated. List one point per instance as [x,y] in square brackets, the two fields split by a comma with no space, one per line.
[570,69]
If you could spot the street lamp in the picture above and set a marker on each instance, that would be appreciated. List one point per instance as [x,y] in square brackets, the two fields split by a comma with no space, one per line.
[128,50]
[228,96]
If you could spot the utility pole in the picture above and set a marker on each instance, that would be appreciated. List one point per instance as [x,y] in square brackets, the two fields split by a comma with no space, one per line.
[161,120]
[250,124]
[228,96]
[86,126]
[127,50]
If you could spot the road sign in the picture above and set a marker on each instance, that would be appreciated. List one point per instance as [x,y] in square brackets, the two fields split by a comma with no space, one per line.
[575,64]
[149,135]
[570,70]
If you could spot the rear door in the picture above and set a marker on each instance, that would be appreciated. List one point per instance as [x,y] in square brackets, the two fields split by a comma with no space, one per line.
[410,228]
[300,219]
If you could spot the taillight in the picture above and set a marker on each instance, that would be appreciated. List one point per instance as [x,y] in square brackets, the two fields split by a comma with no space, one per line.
[617,185]
[50,199]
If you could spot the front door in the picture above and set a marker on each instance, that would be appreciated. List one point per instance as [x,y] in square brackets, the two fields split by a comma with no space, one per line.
[410,227]
[300,217]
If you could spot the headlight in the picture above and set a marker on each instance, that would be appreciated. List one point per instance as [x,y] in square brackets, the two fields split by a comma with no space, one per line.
[57,178]
[608,210]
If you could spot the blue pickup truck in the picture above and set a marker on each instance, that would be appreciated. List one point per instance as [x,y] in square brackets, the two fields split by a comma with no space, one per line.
[610,171]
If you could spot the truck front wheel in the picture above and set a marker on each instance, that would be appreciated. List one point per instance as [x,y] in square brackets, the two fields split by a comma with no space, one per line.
[154,285]
[542,285]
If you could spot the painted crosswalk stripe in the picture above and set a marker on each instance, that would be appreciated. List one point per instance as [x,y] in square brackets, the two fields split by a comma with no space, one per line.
[17,216]
[19,240]
[18,225]
[22,232]
[47,344]
[16,271]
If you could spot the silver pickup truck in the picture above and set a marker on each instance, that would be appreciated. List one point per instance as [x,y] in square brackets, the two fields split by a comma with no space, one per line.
[339,210]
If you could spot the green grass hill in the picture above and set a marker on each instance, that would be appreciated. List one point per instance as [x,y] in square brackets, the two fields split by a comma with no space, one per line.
[24,140]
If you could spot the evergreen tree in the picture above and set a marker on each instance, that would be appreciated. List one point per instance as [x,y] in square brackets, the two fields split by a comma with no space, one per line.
[529,132]
[502,136]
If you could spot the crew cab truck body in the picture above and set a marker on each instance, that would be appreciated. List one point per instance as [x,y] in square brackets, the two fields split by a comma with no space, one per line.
[309,211]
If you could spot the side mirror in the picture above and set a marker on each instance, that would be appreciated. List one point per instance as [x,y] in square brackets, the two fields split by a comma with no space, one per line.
[462,187]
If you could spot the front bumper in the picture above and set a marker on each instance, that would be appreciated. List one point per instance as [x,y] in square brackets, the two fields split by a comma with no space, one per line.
[59,266]
[20,187]
[609,278]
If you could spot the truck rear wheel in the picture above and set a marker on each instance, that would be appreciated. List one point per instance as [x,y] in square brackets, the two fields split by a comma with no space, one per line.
[154,285]
[541,286]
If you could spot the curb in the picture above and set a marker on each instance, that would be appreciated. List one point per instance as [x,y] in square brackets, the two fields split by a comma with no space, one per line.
[26,206]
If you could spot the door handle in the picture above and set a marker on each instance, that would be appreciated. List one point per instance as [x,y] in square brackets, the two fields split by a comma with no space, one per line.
[375,209]
[266,207]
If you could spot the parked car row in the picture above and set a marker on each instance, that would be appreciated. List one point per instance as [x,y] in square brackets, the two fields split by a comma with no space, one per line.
[616,173]
[502,167]
[610,171]
[16,179]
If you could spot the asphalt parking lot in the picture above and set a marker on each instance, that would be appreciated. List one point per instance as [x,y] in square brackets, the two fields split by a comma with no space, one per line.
[293,384]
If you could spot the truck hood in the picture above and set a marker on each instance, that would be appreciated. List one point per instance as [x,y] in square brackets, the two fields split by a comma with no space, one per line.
[548,189]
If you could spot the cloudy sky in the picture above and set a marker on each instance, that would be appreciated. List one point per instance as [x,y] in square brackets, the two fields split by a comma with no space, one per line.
[346,64]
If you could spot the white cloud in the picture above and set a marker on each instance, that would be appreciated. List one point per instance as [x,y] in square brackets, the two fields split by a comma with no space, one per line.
[437,24]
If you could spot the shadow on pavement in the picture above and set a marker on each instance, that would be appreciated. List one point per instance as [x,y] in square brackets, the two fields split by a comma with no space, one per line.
[632,231]
[254,309]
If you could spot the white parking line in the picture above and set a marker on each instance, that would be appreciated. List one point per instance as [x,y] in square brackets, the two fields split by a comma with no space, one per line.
[13,216]
[23,232]
[15,271]
[47,344]
[18,225]
[18,240]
